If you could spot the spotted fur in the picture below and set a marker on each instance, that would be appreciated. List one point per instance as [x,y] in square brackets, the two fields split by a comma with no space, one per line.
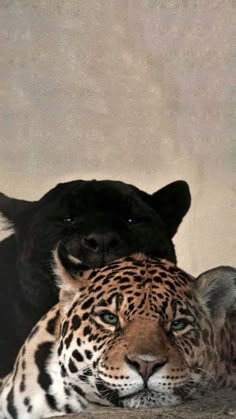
[115,339]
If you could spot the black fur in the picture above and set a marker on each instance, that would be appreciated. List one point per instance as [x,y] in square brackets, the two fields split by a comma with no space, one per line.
[98,221]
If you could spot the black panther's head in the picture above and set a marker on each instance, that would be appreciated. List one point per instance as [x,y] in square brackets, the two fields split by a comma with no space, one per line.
[98,221]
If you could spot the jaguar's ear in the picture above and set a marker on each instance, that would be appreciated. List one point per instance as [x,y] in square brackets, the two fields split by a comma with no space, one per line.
[11,208]
[71,275]
[217,290]
[172,203]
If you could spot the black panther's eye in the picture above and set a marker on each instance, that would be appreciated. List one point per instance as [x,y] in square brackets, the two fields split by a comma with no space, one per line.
[69,220]
[109,318]
[137,220]
[131,221]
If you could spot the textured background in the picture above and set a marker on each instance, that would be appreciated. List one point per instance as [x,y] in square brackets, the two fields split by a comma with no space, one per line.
[139,90]
[218,405]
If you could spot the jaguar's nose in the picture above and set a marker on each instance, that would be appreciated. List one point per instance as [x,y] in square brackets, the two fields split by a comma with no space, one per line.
[144,367]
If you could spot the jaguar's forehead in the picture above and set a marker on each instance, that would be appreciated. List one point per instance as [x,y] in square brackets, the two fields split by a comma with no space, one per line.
[136,274]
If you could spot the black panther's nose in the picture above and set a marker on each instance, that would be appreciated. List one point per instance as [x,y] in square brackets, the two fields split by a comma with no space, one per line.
[104,242]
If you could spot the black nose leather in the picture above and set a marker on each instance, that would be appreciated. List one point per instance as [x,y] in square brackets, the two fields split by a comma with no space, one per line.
[97,242]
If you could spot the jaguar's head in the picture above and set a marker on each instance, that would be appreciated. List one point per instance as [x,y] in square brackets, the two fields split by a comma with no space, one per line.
[140,332]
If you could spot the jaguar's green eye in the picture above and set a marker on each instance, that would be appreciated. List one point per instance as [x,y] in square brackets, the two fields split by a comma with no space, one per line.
[109,318]
[178,325]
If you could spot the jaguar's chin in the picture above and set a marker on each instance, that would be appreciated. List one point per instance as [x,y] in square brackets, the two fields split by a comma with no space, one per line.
[148,398]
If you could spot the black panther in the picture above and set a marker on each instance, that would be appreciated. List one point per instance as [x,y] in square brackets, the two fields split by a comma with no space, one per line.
[97,222]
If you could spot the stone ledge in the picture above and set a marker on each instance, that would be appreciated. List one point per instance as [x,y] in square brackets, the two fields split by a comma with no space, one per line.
[220,405]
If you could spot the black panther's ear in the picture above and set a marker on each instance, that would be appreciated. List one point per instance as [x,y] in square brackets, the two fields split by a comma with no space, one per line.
[10,208]
[172,202]
[217,290]
[71,275]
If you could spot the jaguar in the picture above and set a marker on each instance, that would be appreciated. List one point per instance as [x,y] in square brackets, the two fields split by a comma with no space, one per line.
[137,333]
[99,221]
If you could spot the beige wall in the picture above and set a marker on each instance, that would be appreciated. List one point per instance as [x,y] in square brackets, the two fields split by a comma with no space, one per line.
[139,90]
